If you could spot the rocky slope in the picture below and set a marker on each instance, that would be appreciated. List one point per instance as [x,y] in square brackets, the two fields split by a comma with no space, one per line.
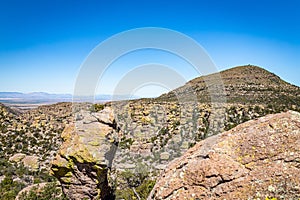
[35,132]
[28,142]
[257,159]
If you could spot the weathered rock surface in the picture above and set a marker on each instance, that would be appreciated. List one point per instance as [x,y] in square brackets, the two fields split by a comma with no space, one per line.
[84,158]
[31,162]
[255,160]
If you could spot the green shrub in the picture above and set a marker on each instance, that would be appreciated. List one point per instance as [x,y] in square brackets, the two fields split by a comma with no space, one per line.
[126,143]
[97,107]
[137,182]
[9,189]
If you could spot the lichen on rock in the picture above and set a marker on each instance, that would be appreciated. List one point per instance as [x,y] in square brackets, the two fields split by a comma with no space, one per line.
[81,164]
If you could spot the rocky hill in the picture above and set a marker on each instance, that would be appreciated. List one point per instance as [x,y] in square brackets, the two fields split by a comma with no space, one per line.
[259,159]
[245,84]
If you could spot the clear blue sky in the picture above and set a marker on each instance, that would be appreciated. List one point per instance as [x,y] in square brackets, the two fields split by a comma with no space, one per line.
[43,43]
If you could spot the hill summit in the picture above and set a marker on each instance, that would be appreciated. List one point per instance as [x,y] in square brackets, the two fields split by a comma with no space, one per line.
[243,84]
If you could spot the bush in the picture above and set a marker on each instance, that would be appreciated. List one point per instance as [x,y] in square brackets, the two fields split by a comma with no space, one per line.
[126,143]
[97,107]
[9,189]
[137,182]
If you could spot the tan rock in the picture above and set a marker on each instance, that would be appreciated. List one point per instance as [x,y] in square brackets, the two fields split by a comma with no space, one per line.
[165,156]
[257,159]
[105,116]
[17,157]
[32,162]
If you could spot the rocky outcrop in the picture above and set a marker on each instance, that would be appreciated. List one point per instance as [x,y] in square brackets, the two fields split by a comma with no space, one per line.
[83,161]
[259,159]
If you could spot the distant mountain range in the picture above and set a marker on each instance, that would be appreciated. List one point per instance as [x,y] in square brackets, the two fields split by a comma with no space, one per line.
[43,97]
[34,95]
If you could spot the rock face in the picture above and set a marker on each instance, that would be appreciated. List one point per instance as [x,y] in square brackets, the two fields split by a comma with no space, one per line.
[83,161]
[258,159]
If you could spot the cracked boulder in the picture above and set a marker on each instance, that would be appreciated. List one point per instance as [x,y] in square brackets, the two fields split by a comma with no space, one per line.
[83,161]
[259,159]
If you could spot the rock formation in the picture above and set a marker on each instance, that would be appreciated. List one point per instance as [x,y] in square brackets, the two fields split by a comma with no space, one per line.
[259,159]
[83,161]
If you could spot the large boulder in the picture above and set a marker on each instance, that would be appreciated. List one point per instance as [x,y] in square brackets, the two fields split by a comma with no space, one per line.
[259,159]
[83,161]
